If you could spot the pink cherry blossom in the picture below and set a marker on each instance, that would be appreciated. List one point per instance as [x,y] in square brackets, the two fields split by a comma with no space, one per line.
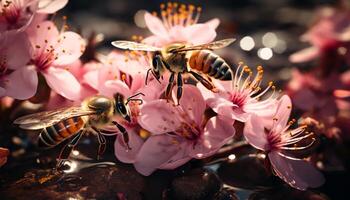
[242,97]
[275,138]
[16,80]
[52,49]
[331,33]
[179,133]
[116,73]
[318,96]
[15,15]
[178,23]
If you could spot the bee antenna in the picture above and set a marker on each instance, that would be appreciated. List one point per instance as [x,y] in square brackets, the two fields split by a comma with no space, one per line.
[131,98]
[147,75]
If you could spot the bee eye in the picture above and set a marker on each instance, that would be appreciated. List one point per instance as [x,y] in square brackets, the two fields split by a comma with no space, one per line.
[155,63]
[121,108]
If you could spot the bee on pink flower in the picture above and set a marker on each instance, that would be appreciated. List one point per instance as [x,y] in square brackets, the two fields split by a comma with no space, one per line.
[238,99]
[179,23]
[52,50]
[275,138]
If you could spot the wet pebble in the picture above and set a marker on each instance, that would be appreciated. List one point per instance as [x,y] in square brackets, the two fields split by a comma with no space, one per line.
[196,184]
[248,172]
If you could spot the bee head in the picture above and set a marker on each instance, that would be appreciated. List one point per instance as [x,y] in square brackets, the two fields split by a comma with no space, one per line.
[157,65]
[121,108]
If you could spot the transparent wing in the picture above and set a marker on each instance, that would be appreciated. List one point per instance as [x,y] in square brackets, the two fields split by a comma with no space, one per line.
[41,120]
[134,46]
[210,46]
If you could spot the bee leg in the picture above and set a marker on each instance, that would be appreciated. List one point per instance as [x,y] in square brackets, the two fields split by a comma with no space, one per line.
[102,142]
[65,152]
[170,85]
[124,133]
[201,79]
[179,87]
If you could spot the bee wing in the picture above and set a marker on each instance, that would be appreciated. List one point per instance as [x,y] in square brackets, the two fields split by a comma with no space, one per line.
[210,46]
[134,46]
[41,120]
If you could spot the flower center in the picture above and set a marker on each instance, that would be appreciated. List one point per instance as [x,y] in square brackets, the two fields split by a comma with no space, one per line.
[44,59]
[11,13]
[239,98]
[247,88]
[174,14]
[189,131]
[272,139]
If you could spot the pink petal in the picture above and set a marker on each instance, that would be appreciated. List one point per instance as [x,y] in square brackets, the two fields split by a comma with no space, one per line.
[22,83]
[155,41]
[199,34]
[265,108]
[155,25]
[213,23]
[159,117]
[156,151]
[138,82]
[69,49]
[124,155]
[284,108]
[42,36]
[217,132]
[305,55]
[193,103]
[184,147]
[254,132]
[17,51]
[91,78]
[63,82]
[112,87]
[51,6]
[297,173]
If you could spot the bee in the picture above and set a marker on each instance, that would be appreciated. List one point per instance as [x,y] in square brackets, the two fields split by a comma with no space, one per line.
[179,58]
[71,123]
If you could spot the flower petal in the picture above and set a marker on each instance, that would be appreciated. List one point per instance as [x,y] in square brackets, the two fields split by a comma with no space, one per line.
[69,49]
[17,50]
[121,152]
[217,132]
[42,36]
[22,83]
[297,173]
[159,117]
[283,111]
[199,34]
[63,82]
[155,25]
[213,23]
[156,151]
[305,55]
[112,87]
[254,132]
[51,6]
[192,103]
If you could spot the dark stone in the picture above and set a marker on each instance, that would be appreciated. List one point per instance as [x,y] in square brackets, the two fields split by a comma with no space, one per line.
[249,172]
[196,184]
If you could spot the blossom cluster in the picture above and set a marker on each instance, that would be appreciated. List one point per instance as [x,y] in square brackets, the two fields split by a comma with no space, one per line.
[162,133]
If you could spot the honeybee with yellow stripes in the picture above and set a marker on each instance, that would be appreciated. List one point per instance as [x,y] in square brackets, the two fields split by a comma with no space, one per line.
[71,123]
[179,58]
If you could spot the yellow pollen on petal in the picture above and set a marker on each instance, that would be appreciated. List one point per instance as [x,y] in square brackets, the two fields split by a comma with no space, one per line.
[144,134]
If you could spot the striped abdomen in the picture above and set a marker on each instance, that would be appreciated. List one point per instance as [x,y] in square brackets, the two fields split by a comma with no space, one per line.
[211,64]
[55,134]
